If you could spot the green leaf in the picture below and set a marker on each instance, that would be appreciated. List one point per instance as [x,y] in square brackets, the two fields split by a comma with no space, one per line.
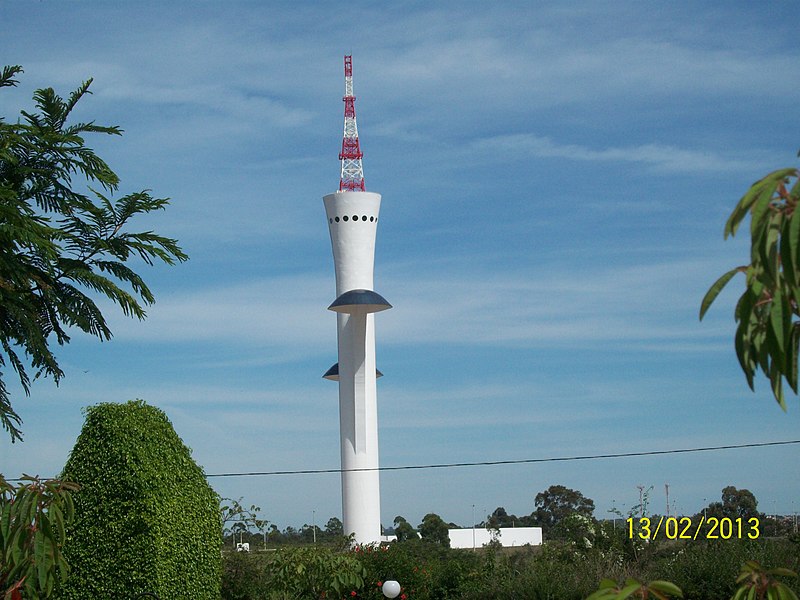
[628,591]
[666,587]
[771,257]
[39,557]
[792,356]
[57,517]
[762,188]
[782,572]
[742,341]
[791,262]
[755,277]
[785,592]
[602,594]
[778,321]
[715,289]
[760,209]
[741,209]
[777,385]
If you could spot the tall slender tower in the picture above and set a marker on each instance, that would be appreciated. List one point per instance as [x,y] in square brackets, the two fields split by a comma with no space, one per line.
[353,220]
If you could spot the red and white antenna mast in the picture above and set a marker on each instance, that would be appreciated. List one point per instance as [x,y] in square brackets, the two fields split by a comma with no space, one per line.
[352,171]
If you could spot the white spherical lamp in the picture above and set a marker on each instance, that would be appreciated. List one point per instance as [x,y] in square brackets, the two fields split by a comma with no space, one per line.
[391,589]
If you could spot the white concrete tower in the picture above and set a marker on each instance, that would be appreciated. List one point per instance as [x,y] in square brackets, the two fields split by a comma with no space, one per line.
[352,216]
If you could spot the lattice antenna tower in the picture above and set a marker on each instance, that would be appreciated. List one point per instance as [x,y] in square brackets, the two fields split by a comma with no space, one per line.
[352,170]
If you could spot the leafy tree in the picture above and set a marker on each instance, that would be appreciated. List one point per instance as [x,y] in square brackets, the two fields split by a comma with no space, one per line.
[233,511]
[238,529]
[33,515]
[768,335]
[403,529]
[434,529]
[290,533]
[558,502]
[309,533]
[500,518]
[334,527]
[735,503]
[146,519]
[57,243]
[739,503]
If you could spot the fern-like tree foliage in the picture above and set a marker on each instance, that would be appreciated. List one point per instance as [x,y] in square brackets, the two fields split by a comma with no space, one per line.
[59,242]
[768,332]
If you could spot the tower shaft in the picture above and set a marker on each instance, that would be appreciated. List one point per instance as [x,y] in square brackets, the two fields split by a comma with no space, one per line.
[353,243]
[352,222]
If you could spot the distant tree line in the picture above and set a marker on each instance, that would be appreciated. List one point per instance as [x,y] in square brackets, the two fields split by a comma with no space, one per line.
[563,514]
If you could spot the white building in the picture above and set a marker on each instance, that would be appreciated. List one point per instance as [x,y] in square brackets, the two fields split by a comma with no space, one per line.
[507,536]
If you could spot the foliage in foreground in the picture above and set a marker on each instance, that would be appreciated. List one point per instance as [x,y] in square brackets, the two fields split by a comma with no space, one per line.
[561,571]
[146,520]
[767,338]
[659,590]
[756,582]
[33,515]
[56,242]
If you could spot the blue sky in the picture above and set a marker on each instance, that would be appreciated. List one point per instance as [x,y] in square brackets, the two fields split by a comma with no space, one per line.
[555,180]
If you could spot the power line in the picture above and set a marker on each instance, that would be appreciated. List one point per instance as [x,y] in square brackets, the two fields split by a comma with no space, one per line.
[506,462]
[490,463]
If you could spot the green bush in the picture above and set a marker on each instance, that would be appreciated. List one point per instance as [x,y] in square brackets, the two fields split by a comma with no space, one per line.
[243,576]
[555,571]
[708,570]
[312,573]
[146,520]
[406,562]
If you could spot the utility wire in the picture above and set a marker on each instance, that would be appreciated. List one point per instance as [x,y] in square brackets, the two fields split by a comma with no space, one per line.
[490,463]
[506,462]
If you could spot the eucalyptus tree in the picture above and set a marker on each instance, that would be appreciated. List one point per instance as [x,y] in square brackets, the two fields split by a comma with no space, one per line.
[434,529]
[558,502]
[403,529]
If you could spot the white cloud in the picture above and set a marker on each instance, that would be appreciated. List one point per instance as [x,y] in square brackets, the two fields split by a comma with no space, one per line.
[648,304]
[283,311]
[659,157]
[632,304]
[536,57]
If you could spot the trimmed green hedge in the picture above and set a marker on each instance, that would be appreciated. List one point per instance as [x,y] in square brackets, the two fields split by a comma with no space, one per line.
[146,520]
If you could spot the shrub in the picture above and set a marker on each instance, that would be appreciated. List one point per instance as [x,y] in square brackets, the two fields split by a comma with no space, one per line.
[555,571]
[243,576]
[146,520]
[405,562]
[312,573]
[708,570]
[32,518]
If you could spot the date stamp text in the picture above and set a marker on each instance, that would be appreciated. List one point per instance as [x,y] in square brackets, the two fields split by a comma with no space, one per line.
[685,528]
